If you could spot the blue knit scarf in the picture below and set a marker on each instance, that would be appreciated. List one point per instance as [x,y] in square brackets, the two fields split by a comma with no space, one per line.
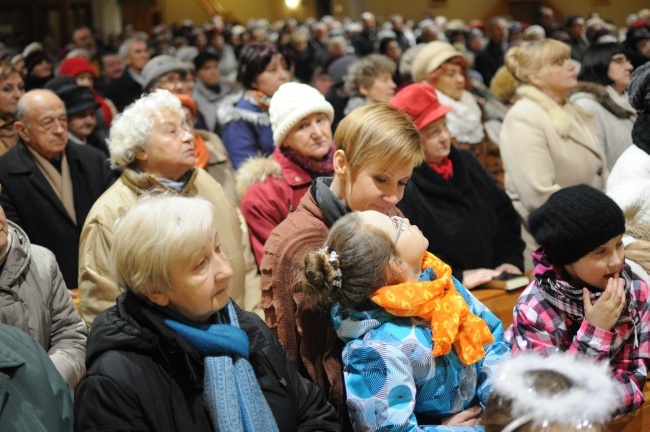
[231,392]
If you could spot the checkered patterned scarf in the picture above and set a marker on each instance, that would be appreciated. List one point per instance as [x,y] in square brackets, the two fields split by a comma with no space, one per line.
[436,300]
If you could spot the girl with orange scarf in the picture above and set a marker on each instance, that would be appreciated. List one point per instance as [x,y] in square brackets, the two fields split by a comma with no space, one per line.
[419,347]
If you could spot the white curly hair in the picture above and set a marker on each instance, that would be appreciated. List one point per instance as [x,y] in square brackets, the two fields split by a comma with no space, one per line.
[131,129]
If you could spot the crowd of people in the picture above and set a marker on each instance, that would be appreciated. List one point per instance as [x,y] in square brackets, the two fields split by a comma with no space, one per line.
[278,226]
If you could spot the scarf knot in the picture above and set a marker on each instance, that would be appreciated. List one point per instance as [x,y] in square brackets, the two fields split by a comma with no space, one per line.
[435,299]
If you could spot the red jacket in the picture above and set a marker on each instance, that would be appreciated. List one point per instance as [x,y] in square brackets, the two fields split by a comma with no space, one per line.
[271,188]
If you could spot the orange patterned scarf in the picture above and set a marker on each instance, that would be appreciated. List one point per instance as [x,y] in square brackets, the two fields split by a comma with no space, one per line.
[437,301]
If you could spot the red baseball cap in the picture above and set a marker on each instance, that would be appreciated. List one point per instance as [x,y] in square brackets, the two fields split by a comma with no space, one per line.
[421,103]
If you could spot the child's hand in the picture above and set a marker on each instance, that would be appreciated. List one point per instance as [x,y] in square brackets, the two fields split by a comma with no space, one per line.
[469,417]
[607,309]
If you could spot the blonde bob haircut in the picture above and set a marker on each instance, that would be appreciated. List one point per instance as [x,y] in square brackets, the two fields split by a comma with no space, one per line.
[131,130]
[7,68]
[380,135]
[530,57]
[158,231]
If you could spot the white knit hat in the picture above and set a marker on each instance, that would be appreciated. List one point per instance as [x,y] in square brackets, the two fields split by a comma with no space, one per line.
[291,103]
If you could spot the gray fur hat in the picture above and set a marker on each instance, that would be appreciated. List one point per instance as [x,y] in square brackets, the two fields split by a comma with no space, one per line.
[639,90]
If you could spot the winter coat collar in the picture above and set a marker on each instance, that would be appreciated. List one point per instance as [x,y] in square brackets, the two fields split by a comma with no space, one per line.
[601,95]
[258,169]
[141,182]
[560,119]
[18,256]
[234,108]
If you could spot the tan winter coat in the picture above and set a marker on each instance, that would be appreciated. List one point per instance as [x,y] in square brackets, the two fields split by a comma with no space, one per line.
[96,289]
[219,165]
[545,147]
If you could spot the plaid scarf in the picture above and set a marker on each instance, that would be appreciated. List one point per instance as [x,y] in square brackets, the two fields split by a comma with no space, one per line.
[568,299]
[437,301]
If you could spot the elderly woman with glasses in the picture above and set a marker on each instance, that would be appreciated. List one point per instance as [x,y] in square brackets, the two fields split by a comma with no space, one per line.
[176,353]
[153,145]
[419,347]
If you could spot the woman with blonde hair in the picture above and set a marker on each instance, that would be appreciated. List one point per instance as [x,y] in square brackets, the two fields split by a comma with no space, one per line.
[547,142]
[12,88]
[377,148]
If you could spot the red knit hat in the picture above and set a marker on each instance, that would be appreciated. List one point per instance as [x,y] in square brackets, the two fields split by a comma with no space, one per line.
[76,66]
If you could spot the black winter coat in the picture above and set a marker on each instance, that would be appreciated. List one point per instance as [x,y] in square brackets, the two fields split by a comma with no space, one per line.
[469,221]
[30,202]
[143,376]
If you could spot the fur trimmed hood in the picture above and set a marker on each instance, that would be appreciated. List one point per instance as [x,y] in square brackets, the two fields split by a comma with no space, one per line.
[600,94]
[228,112]
[559,118]
[256,170]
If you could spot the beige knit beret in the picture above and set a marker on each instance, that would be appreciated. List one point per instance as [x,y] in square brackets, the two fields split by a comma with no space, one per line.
[431,57]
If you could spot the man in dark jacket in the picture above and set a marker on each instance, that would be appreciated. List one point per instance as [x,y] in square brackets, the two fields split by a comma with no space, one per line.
[491,58]
[364,41]
[49,184]
[126,89]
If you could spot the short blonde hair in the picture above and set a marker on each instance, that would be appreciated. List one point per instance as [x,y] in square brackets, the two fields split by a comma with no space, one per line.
[528,58]
[379,134]
[364,72]
[155,233]
[7,68]
[131,130]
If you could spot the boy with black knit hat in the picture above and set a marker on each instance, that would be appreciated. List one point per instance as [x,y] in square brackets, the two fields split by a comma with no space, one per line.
[584,298]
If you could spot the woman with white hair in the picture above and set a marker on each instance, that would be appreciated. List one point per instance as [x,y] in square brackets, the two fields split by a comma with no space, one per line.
[177,353]
[151,142]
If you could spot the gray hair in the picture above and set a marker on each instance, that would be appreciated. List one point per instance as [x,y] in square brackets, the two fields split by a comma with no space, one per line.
[125,47]
[22,108]
[159,230]
[130,130]
[365,71]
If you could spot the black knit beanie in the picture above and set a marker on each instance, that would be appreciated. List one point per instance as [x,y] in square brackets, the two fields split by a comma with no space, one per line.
[575,221]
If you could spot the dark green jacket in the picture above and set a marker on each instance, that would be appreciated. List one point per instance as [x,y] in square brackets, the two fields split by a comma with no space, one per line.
[33,395]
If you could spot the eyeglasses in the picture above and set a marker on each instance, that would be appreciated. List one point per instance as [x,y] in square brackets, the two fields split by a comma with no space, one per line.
[400,224]
[620,59]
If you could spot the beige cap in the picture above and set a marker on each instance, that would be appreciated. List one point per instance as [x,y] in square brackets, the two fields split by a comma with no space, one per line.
[431,57]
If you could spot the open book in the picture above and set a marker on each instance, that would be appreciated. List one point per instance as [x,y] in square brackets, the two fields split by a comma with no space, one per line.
[507,281]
